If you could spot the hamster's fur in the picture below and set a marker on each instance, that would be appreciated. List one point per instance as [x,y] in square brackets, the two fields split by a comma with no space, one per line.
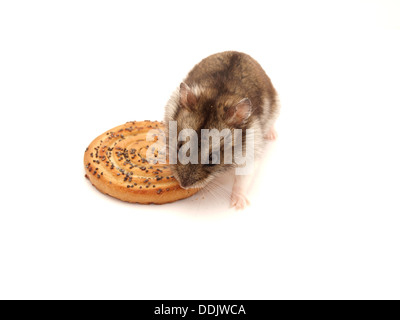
[225,90]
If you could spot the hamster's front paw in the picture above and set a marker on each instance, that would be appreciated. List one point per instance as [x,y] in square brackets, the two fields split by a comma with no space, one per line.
[239,200]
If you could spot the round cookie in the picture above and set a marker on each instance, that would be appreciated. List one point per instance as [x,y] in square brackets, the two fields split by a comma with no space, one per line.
[116,163]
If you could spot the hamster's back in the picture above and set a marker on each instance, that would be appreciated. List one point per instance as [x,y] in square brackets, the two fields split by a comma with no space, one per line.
[234,73]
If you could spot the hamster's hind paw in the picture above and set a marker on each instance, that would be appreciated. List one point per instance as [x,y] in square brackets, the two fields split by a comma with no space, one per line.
[271,134]
[239,201]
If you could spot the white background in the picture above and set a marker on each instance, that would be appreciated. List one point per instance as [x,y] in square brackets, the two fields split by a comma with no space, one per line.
[325,215]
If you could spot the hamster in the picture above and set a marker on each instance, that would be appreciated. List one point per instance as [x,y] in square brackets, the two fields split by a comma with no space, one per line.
[227,90]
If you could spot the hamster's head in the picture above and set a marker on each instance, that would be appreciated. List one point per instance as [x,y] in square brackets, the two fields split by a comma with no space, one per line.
[197,109]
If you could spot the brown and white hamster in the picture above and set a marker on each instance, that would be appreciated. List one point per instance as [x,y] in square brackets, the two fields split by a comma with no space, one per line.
[227,90]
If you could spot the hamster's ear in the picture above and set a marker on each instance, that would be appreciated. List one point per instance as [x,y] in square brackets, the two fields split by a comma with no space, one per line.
[187,99]
[239,113]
